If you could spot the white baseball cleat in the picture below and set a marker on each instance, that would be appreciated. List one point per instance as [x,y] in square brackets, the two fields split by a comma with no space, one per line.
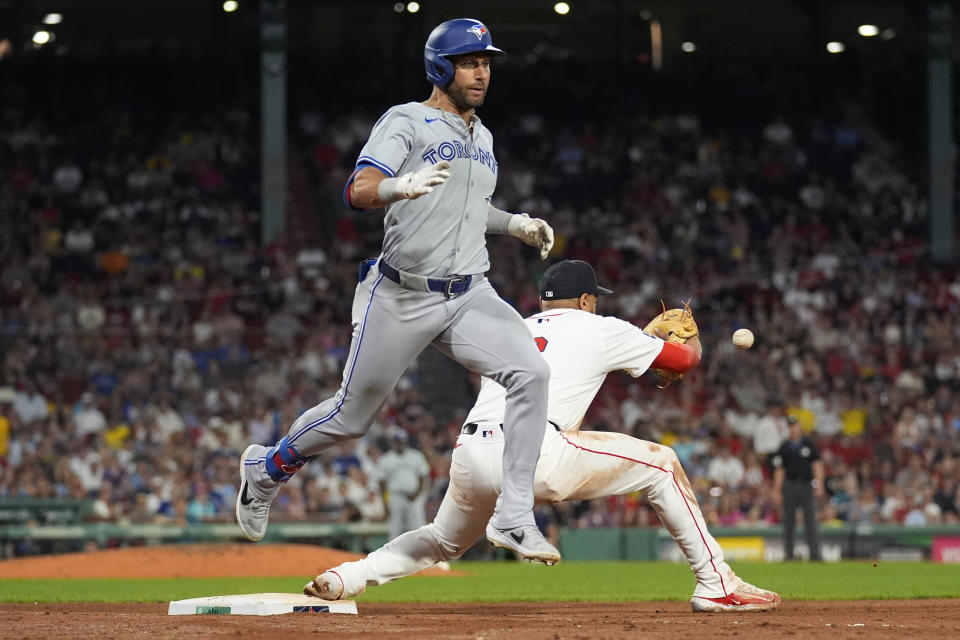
[744,597]
[527,541]
[254,497]
[330,585]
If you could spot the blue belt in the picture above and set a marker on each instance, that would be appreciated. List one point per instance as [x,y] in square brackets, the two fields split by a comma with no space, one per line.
[449,287]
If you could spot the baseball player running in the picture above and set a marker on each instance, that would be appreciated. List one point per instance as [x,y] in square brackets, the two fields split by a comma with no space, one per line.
[581,349]
[431,165]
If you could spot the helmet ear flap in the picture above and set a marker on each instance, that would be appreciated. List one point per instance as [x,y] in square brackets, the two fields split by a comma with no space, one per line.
[441,73]
[439,69]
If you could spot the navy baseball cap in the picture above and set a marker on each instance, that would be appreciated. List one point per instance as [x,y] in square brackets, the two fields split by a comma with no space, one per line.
[570,279]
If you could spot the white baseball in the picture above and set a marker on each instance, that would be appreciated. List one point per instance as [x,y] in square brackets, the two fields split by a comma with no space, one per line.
[743,338]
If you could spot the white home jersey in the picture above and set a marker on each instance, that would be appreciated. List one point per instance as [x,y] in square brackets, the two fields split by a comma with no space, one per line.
[587,348]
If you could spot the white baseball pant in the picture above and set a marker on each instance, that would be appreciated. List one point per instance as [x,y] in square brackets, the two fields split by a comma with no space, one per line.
[573,466]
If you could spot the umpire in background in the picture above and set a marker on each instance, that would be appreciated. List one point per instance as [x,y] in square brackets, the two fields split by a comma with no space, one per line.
[797,478]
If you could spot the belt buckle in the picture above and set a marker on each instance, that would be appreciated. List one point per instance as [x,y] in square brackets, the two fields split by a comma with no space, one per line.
[448,289]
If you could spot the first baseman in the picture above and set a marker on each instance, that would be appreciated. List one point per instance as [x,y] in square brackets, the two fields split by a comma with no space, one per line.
[432,166]
[581,348]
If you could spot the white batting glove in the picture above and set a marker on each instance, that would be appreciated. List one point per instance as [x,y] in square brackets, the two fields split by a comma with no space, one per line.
[412,185]
[532,231]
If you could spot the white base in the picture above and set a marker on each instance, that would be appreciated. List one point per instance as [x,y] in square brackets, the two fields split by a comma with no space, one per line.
[259,604]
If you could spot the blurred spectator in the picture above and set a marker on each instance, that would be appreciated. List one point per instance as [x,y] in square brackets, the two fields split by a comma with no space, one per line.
[725,469]
[145,329]
[103,509]
[200,508]
[770,432]
[29,403]
[404,473]
[7,396]
[88,417]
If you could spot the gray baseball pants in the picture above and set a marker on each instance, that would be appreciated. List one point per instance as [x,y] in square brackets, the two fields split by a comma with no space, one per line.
[391,326]
[799,493]
[405,514]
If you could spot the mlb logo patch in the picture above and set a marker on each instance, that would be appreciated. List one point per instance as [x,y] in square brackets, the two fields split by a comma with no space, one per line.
[487,433]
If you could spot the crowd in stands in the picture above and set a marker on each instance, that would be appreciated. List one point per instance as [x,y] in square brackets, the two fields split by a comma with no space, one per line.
[147,335]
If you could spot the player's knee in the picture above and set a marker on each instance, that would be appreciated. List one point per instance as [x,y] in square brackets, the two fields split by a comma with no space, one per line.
[352,431]
[550,492]
[448,549]
[669,455]
[452,551]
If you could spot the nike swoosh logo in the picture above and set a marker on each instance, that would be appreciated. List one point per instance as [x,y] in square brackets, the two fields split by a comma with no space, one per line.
[429,120]
[244,500]
[518,538]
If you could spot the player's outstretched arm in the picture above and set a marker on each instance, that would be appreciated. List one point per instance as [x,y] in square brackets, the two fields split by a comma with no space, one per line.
[372,189]
[678,357]
[682,349]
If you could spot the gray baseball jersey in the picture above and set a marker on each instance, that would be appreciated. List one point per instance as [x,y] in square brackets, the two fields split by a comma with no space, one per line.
[437,235]
[442,234]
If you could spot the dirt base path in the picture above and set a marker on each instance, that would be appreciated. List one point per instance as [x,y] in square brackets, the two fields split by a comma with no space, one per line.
[550,621]
[184,561]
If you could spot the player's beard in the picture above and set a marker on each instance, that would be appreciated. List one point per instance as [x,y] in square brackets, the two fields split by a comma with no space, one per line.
[462,99]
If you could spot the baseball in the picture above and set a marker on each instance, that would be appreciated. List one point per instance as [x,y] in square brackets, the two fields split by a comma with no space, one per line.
[743,338]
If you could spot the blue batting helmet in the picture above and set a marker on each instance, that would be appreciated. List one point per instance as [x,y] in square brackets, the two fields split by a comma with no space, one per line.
[452,38]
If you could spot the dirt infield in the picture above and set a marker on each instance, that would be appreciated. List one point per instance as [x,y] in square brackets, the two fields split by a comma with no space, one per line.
[184,561]
[530,621]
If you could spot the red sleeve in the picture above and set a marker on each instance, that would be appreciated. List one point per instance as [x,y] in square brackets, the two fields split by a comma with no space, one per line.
[676,357]
[346,189]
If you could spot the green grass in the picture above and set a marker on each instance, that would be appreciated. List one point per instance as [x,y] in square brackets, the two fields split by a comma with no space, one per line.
[512,582]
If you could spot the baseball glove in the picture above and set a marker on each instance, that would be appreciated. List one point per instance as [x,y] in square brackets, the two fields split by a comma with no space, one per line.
[676,325]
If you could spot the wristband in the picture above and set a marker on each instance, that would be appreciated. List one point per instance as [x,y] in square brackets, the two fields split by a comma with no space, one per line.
[387,189]
[516,224]
[498,221]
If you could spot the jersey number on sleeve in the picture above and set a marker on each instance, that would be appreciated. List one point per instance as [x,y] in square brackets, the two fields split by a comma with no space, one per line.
[541,343]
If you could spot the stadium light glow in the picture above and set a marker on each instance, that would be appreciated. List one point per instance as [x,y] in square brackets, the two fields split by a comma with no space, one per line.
[562,8]
[42,37]
[398,7]
[836,47]
[230,5]
[888,34]
[656,45]
[413,7]
[53,18]
[688,47]
[868,30]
